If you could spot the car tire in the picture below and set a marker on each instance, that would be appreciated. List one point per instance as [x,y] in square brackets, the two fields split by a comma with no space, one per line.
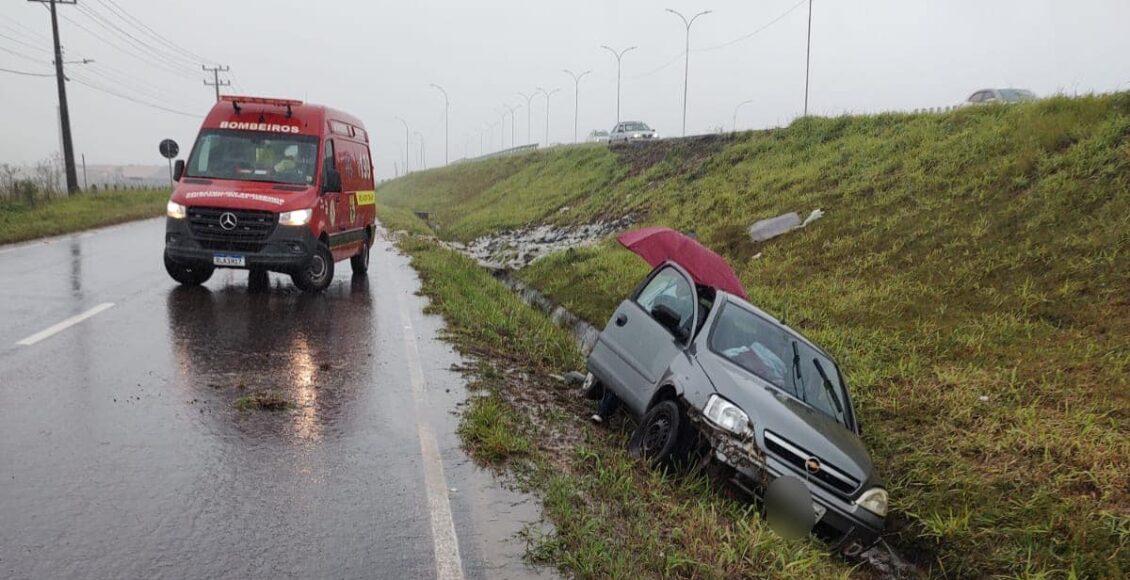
[592,388]
[188,274]
[662,436]
[360,262]
[318,274]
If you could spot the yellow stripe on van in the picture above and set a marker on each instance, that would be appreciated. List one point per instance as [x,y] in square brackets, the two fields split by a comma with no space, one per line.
[366,197]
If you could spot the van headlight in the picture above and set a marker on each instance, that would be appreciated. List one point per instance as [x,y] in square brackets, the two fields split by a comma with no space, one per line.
[726,415]
[298,217]
[874,500]
[175,210]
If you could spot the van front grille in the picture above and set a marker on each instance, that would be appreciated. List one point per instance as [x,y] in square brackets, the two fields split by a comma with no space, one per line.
[238,230]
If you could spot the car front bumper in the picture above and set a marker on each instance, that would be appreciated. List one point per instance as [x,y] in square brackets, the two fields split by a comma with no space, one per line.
[845,527]
[286,249]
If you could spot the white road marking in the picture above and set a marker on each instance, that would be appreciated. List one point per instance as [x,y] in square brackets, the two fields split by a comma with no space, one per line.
[449,565]
[55,329]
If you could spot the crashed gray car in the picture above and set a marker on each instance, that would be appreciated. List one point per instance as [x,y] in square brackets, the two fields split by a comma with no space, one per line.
[704,368]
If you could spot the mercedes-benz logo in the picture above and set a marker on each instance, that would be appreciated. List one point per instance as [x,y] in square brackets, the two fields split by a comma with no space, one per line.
[227,220]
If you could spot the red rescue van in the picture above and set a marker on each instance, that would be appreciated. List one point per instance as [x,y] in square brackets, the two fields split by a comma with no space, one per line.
[272,185]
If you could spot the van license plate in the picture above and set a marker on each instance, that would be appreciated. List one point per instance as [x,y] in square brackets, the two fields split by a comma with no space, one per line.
[229,260]
[820,511]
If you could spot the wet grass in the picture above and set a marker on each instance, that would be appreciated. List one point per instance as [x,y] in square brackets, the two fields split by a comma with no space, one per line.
[613,517]
[264,401]
[971,276]
[20,222]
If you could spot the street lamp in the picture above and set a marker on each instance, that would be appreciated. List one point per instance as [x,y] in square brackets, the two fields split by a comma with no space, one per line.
[423,160]
[446,122]
[407,147]
[513,124]
[576,97]
[618,56]
[807,57]
[687,66]
[547,95]
[529,110]
[740,105]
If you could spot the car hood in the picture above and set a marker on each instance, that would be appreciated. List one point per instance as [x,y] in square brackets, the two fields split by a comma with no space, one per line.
[243,195]
[770,409]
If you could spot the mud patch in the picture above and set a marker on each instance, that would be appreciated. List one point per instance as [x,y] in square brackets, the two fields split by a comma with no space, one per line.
[264,401]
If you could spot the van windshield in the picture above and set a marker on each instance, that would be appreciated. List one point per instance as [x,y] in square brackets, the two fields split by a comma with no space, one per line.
[254,156]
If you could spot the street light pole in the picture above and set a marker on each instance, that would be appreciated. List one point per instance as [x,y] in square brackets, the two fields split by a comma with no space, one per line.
[740,105]
[407,147]
[529,109]
[446,123]
[807,58]
[547,95]
[618,55]
[687,66]
[513,125]
[576,97]
[423,164]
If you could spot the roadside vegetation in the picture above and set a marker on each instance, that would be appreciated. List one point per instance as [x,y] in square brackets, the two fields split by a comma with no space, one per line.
[22,220]
[612,517]
[971,275]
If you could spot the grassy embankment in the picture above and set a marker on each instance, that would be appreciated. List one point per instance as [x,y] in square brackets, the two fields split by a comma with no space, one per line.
[19,222]
[971,276]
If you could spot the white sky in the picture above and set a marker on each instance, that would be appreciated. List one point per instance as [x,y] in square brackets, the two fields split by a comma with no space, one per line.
[376,59]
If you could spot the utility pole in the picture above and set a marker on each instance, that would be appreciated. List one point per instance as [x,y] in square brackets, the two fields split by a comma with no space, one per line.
[619,55]
[687,66]
[513,124]
[529,110]
[64,112]
[576,97]
[407,147]
[547,95]
[740,105]
[216,82]
[807,58]
[422,160]
[446,122]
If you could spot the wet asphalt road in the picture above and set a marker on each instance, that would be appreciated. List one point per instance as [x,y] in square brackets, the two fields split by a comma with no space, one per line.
[123,456]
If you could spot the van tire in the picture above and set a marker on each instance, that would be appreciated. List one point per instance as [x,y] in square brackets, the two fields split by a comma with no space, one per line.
[360,262]
[188,274]
[318,274]
[663,436]
[258,280]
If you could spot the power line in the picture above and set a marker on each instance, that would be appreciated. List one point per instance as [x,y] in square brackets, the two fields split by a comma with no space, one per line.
[129,52]
[25,44]
[755,32]
[18,28]
[130,38]
[21,55]
[25,73]
[92,85]
[125,15]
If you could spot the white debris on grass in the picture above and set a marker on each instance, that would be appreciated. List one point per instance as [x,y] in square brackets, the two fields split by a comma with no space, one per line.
[768,229]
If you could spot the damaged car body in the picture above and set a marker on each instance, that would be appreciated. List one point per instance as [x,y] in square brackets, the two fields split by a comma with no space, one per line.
[703,368]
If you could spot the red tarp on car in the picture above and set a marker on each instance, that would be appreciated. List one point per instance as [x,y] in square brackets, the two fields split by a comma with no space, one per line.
[658,245]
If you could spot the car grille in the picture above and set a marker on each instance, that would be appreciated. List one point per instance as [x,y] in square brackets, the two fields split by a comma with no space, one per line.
[796,457]
[252,228]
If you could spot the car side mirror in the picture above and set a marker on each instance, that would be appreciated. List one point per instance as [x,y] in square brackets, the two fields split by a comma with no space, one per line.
[178,170]
[332,181]
[669,319]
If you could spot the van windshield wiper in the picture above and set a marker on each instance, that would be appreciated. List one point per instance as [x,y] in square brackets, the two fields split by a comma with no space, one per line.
[798,381]
[831,390]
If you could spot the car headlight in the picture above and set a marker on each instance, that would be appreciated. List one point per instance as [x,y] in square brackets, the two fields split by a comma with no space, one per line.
[726,415]
[298,217]
[175,210]
[874,500]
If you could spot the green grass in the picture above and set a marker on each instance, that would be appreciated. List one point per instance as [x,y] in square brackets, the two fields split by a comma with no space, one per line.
[19,222]
[612,517]
[976,254]
[264,401]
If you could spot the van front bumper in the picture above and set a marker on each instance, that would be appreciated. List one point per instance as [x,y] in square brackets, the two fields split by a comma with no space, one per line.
[287,249]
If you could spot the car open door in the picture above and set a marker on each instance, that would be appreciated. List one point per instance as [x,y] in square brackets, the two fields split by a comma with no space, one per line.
[645,334]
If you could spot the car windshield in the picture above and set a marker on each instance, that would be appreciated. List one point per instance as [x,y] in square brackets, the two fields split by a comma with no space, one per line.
[254,156]
[765,349]
[1015,95]
[635,127]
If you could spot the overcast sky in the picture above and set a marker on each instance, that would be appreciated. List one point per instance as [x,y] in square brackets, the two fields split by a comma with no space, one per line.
[376,59]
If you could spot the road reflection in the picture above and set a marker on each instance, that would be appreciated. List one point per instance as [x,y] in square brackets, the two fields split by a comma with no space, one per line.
[314,351]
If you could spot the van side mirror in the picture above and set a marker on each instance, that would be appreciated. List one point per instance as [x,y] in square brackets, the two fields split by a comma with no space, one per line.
[332,181]
[178,170]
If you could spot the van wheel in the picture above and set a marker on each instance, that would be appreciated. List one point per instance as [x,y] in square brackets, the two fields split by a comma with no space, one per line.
[592,388]
[662,436]
[258,280]
[188,274]
[318,274]
[360,262]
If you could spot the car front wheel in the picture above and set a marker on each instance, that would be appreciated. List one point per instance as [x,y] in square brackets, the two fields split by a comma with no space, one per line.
[188,274]
[662,437]
[318,274]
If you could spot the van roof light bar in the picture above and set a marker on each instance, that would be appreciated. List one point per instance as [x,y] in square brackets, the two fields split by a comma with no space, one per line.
[236,101]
